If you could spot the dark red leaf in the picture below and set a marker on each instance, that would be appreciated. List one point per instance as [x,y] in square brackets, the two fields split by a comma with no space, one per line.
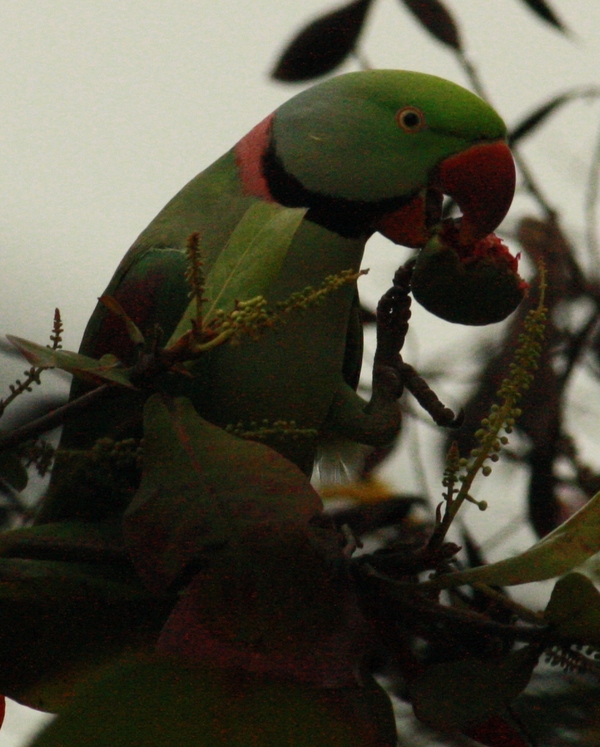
[240,610]
[527,125]
[537,117]
[437,20]
[496,732]
[545,12]
[322,45]
[201,488]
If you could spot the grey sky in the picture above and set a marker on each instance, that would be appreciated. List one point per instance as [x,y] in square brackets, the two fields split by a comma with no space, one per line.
[108,109]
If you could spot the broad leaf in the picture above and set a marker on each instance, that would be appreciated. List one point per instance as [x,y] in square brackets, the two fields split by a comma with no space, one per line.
[201,488]
[248,263]
[107,369]
[155,702]
[61,620]
[76,541]
[574,609]
[436,18]
[12,470]
[457,695]
[272,603]
[568,546]
[545,12]
[323,44]
[532,121]
[497,732]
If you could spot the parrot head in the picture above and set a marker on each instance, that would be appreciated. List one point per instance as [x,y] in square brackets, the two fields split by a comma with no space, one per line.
[378,150]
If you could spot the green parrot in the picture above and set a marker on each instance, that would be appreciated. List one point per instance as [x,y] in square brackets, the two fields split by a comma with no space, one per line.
[362,152]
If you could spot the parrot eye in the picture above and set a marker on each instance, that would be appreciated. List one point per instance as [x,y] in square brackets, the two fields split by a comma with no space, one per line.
[410,119]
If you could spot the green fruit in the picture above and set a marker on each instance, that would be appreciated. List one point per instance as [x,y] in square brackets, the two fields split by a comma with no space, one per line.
[474,285]
[151,702]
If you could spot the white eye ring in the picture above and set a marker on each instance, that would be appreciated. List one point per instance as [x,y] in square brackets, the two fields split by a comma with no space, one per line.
[410,119]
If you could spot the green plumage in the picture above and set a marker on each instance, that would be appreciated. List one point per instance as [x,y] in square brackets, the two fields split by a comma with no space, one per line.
[340,141]
[341,137]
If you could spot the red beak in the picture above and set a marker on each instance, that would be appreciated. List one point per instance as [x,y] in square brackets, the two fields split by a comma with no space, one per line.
[481,180]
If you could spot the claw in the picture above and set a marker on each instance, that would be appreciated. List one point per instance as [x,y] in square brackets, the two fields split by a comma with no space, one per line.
[393,314]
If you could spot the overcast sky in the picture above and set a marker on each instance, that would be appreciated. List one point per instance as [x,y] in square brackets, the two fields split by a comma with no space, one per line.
[108,108]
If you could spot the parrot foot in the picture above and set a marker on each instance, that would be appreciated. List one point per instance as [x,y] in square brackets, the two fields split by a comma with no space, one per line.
[393,315]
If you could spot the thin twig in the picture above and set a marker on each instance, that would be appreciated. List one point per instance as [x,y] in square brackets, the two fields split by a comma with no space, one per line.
[436,612]
[523,612]
[53,419]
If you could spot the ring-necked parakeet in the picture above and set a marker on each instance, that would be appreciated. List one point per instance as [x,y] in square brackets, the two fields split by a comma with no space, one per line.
[364,152]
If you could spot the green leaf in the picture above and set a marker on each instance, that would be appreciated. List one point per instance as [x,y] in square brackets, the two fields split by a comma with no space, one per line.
[107,369]
[568,546]
[12,470]
[201,487]
[248,263]
[574,609]
[158,701]
[61,620]
[73,540]
[457,695]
